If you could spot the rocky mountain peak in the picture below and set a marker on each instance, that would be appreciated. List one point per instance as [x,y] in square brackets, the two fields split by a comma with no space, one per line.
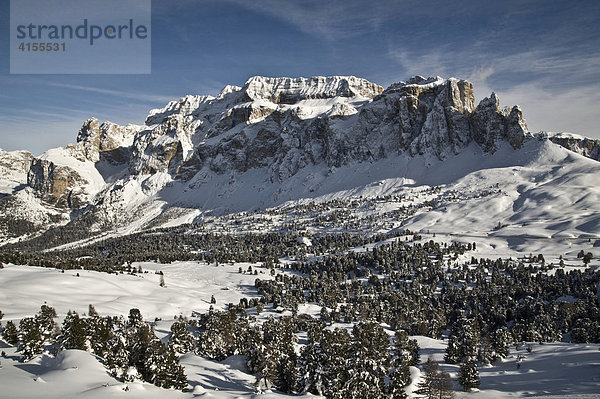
[228,90]
[184,106]
[293,90]
[95,140]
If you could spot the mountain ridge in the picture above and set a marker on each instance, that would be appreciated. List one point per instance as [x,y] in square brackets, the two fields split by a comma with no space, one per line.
[270,128]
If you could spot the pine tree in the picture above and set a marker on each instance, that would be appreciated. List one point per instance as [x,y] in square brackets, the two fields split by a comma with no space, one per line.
[140,342]
[404,357]
[463,341]
[501,341]
[30,339]
[311,369]
[153,363]
[368,362]
[181,340]
[169,373]
[469,375]
[135,317]
[336,346]
[323,366]
[92,311]
[252,344]
[277,361]
[73,333]
[216,341]
[99,334]
[45,320]
[485,352]
[117,356]
[10,333]
[436,383]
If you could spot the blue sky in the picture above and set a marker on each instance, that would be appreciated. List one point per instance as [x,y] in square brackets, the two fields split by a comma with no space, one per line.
[543,55]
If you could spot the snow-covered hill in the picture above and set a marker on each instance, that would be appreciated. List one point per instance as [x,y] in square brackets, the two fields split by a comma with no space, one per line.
[276,140]
[549,370]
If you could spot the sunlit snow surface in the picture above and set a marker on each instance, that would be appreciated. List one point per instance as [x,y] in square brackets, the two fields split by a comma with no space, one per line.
[548,202]
[557,370]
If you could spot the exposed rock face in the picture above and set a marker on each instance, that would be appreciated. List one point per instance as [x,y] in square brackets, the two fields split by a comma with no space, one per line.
[184,106]
[491,124]
[426,116]
[280,125]
[581,145]
[104,141]
[287,123]
[57,185]
[293,90]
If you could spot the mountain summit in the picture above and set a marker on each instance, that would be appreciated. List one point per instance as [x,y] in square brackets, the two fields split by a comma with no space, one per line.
[271,140]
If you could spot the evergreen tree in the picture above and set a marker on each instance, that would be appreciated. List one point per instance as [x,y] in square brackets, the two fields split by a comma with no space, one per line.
[10,333]
[436,383]
[73,333]
[463,341]
[485,351]
[181,340]
[469,375]
[501,341]
[216,339]
[45,320]
[140,342]
[404,356]
[399,379]
[30,338]
[92,311]
[99,333]
[311,369]
[168,373]
[135,317]
[152,369]
[336,349]
[368,362]
[117,356]
[253,348]
[277,362]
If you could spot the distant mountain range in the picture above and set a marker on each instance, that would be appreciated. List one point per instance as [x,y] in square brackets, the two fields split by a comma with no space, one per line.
[276,140]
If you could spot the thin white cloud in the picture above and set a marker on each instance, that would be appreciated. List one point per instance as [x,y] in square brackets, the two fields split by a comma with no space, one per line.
[574,110]
[142,97]
[556,93]
[330,20]
[427,64]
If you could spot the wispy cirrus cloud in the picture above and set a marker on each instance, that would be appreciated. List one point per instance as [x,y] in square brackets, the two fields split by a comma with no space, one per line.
[141,97]
[331,20]
[557,92]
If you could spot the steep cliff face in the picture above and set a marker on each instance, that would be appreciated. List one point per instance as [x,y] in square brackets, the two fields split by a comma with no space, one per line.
[60,186]
[286,124]
[277,127]
[585,146]
[490,124]
[107,141]
[293,90]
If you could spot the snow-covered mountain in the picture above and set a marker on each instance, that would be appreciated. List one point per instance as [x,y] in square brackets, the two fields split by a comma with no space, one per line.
[275,140]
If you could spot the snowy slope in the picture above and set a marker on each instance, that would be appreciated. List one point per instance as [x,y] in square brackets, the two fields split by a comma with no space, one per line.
[13,170]
[278,142]
[551,370]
